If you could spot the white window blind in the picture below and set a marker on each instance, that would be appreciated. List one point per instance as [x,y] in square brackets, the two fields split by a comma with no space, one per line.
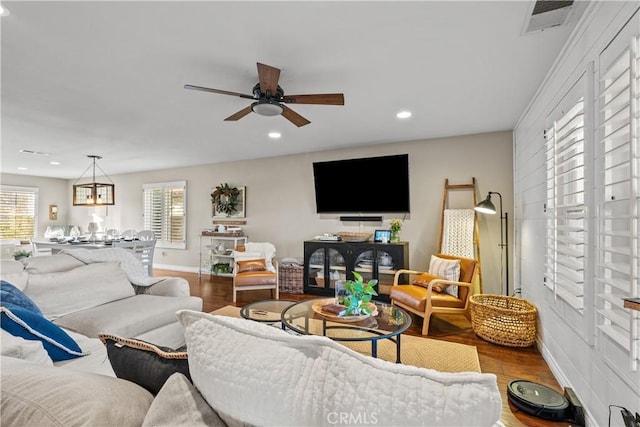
[566,223]
[618,195]
[165,213]
[18,212]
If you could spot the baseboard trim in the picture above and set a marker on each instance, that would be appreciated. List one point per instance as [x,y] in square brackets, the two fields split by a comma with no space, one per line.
[563,380]
[182,268]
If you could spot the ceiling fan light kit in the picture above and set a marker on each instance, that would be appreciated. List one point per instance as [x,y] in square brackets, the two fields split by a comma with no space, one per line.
[267,108]
[269,98]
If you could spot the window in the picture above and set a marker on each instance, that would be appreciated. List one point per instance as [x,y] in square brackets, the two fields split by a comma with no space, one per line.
[165,213]
[567,223]
[18,207]
[618,199]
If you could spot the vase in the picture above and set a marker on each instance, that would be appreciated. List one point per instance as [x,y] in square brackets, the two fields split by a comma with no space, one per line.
[395,236]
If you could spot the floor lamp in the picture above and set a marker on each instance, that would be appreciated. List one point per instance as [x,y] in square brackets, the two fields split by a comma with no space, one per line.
[487,207]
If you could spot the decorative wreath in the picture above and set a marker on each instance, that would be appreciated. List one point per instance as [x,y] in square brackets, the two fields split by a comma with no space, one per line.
[225,198]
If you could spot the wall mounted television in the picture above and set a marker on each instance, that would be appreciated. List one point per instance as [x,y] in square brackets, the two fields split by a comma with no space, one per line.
[364,185]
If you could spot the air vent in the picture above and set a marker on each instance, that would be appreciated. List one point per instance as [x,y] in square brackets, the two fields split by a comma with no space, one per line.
[548,14]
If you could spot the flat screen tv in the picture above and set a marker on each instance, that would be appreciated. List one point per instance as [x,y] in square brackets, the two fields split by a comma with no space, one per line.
[365,185]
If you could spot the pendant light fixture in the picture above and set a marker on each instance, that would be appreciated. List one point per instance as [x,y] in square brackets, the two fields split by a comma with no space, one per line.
[93,193]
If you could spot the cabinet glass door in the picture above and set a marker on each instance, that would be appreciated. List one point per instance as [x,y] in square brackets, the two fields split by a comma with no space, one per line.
[337,267]
[364,265]
[387,266]
[316,269]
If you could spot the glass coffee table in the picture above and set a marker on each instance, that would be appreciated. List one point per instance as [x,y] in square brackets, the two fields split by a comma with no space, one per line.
[306,318]
[269,311]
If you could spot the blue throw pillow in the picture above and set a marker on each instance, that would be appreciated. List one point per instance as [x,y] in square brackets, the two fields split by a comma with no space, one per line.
[20,322]
[9,294]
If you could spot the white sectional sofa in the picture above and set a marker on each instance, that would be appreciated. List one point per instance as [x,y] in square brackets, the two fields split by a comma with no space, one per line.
[88,297]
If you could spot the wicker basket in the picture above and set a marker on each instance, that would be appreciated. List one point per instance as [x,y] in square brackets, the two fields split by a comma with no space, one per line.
[503,320]
[290,278]
[354,237]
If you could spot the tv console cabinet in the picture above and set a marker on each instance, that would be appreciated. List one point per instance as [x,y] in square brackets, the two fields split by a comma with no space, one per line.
[325,262]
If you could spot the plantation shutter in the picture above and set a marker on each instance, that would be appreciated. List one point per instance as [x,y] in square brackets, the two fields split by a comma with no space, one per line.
[165,213]
[618,198]
[18,207]
[565,186]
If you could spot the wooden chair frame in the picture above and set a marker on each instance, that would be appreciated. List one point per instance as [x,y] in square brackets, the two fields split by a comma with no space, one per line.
[430,308]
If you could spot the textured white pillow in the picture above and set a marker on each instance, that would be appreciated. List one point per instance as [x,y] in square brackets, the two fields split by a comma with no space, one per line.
[253,373]
[58,294]
[448,269]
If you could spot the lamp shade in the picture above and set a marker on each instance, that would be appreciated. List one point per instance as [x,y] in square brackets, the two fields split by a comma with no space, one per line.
[486,206]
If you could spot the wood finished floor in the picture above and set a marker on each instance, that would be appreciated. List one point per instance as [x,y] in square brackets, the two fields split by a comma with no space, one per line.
[505,362]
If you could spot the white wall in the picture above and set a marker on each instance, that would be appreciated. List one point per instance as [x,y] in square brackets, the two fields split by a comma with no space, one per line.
[575,356]
[281,204]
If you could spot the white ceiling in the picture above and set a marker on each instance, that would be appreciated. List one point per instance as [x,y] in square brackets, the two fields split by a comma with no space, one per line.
[107,78]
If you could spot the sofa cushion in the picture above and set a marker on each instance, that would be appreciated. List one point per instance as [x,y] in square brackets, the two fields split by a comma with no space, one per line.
[20,348]
[61,293]
[13,272]
[128,317]
[311,380]
[52,396]
[24,323]
[51,264]
[144,363]
[12,295]
[180,404]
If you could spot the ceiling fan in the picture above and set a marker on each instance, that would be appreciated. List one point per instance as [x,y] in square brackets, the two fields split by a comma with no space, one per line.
[270,98]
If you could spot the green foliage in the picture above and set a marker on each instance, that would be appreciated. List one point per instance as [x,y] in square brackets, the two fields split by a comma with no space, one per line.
[225,198]
[221,267]
[359,294]
[21,254]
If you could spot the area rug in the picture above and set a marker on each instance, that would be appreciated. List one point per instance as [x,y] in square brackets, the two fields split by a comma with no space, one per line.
[417,351]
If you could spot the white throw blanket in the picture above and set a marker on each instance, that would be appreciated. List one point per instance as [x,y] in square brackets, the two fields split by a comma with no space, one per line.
[260,375]
[136,272]
[457,233]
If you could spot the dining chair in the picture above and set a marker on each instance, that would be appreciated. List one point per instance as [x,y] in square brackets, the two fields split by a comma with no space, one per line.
[146,235]
[129,234]
[142,249]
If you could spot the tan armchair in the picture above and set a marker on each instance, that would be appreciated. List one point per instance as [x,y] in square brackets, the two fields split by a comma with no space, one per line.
[254,267]
[419,295]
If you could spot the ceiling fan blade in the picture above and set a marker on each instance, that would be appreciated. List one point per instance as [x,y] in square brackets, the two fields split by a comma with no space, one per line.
[320,98]
[240,114]
[268,77]
[293,117]
[222,92]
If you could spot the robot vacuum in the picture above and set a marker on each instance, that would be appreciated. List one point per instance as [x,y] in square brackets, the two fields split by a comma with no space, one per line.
[543,402]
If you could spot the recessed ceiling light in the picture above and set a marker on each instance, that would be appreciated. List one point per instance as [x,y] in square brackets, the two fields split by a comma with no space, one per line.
[3,10]
[275,135]
[22,168]
[54,163]
[403,114]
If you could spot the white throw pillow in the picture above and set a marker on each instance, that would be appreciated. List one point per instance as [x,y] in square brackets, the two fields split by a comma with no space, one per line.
[20,348]
[288,380]
[58,294]
[448,269]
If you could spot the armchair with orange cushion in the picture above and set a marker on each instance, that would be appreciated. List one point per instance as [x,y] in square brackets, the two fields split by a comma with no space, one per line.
[444,289]
[255,268]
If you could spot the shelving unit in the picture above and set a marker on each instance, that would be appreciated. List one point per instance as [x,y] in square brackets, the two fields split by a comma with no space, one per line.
[218,249]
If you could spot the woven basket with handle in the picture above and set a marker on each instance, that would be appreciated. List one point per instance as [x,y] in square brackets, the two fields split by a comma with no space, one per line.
[503,320]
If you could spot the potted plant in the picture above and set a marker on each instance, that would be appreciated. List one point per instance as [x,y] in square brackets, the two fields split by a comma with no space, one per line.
[358,295]
[221,268]
[396,226]
[18,255]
